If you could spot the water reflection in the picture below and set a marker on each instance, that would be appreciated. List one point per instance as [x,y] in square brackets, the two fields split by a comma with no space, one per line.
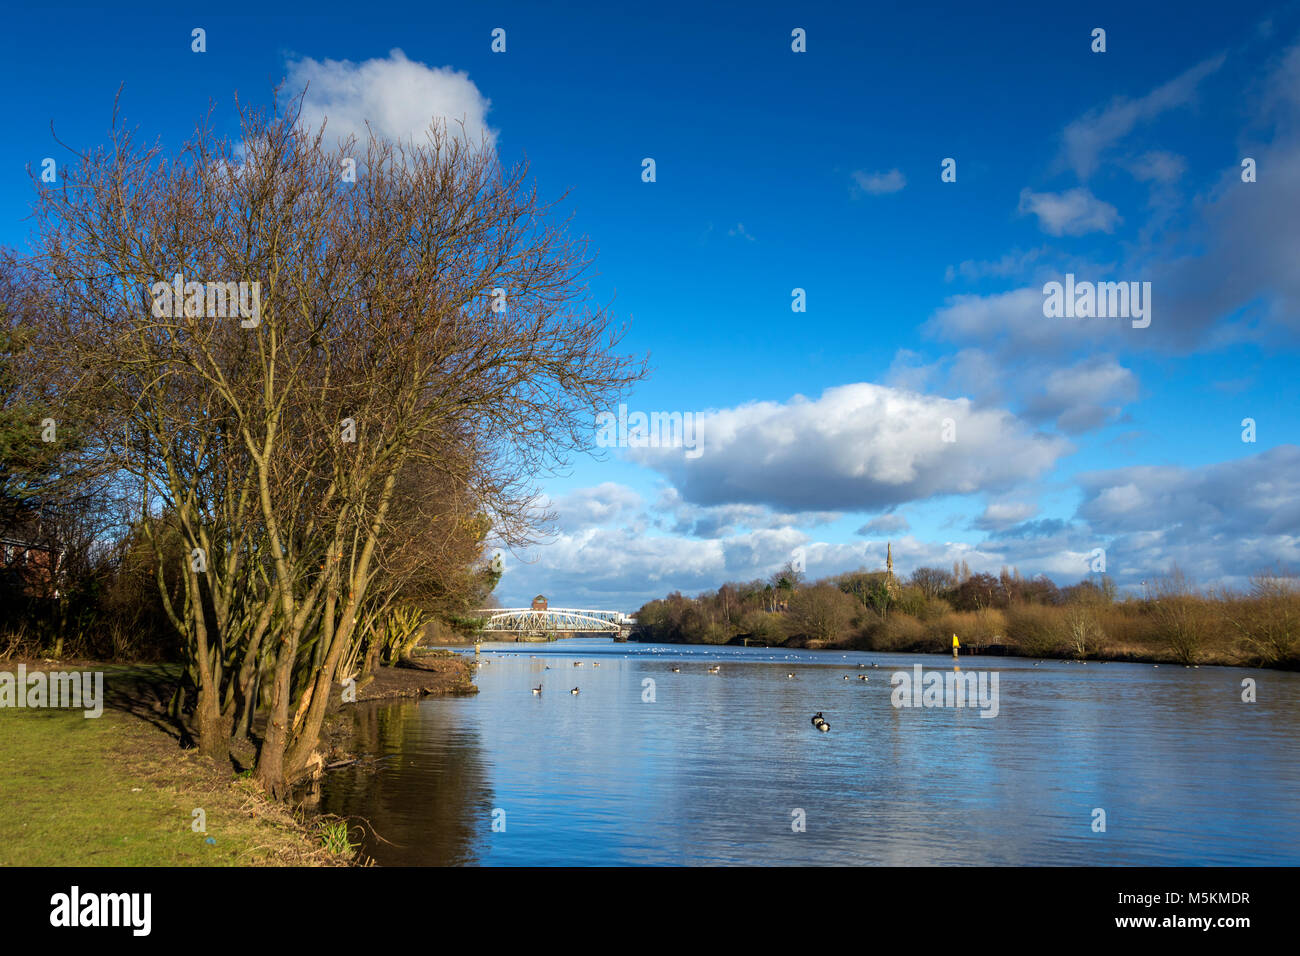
[711,770]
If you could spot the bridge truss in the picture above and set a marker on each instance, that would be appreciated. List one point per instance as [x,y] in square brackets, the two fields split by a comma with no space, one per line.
[526,620]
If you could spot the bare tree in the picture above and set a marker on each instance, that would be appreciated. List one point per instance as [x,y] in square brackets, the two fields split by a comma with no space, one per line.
[1179,614]
[1269,618]
[429,315]
[822,612]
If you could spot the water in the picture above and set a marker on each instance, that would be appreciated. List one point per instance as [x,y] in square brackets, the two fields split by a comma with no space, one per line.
[716,768]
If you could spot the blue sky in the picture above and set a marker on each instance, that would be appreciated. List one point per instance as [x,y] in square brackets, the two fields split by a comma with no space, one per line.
[820,170]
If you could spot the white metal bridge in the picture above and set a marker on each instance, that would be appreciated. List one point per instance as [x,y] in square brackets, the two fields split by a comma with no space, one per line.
[527,620]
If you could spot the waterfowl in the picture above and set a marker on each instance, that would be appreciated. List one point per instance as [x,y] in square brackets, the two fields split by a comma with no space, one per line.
[846,676]
[789,675]
[677,670]
[820,723]
[577,663]
[595,663]
[863,677]
[538,690]
[715,668]
[574,691]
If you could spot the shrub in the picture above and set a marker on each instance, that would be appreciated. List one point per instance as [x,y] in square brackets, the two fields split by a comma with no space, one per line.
[900,632]
[1034,629]
[1269,621]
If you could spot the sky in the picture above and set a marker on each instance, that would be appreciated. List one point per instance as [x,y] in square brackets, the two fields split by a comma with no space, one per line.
[923,396]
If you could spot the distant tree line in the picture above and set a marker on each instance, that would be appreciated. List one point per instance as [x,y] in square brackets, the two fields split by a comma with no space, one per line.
[873,610]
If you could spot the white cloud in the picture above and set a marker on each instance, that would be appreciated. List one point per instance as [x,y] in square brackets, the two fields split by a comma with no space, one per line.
[1220,522]
[717,520]
[603,504]
[1088,137]
[1075,212]
[857,447]
[999,515]
[399,97]
[1158,166]
[885,524]
[1012,264]
[1084,396]
[879,183]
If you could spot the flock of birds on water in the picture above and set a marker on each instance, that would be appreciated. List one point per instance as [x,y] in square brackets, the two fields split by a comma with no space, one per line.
[818,720]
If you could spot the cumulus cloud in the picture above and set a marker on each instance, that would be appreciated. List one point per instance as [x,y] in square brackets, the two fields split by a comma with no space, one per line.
[588,507]
[714,521]
[1084,396]
[999,515]
[616,569]
[399,98]
[1075,212]
[857,447]
[1014,320]
[1255,495]
[1219,522]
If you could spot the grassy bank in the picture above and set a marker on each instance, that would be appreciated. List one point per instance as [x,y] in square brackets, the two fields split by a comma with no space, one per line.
[117,790]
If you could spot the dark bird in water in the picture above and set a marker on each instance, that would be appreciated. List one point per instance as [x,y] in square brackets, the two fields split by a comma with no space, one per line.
[677,670]
[819,722]
[574,691]
[538,690]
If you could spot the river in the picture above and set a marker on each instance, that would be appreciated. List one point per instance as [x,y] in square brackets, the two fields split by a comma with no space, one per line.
[726,767]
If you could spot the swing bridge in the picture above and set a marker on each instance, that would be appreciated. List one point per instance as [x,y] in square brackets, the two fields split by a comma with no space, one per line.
[554,620]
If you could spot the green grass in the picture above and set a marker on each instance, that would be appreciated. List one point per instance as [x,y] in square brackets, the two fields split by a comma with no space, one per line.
[118,791]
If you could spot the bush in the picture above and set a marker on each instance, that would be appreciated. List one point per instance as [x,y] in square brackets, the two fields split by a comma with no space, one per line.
[1269,621]
[900,632]
[1035,629]
[761,626]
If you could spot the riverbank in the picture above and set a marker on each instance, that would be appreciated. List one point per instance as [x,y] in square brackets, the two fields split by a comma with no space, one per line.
[1220,654]
[118,790]
[431,673]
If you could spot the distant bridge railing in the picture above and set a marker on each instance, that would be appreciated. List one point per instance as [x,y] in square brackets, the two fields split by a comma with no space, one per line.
[525,620]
